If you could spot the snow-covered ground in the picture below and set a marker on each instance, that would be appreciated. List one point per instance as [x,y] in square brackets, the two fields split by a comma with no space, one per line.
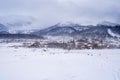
[58,64]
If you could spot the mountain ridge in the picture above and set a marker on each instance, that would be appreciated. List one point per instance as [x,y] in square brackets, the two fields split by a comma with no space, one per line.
[79,31]
[70,29]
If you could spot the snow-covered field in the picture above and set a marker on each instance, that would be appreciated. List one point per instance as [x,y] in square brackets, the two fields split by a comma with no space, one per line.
[58,64]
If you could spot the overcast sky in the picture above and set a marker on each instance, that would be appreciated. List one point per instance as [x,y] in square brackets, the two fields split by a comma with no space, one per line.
[53,11]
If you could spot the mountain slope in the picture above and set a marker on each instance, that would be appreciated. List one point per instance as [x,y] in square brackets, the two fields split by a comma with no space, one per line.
[18,24]
[60,30]
[3,29]
[79,31]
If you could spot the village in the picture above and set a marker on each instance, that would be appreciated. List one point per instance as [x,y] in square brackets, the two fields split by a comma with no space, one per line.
[72,44]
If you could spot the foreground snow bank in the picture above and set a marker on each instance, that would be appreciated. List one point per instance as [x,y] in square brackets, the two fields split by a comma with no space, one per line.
[56,64]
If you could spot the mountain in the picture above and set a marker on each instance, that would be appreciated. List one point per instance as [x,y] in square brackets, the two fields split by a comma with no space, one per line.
[3,29]
[61,29]
[17,27]
[107,23]
[22,25]
[18,24]
[4,34]
[80,31]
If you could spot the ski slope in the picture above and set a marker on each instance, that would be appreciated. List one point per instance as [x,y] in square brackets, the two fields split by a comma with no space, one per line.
[58,64]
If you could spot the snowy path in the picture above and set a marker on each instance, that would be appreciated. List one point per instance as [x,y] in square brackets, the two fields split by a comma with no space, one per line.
[55,64]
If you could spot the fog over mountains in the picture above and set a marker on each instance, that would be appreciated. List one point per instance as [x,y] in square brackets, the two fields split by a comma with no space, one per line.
[26,25]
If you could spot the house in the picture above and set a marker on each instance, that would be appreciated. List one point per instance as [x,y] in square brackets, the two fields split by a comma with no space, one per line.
[36,44]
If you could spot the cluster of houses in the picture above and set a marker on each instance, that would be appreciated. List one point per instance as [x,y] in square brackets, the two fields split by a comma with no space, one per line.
[73,44]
